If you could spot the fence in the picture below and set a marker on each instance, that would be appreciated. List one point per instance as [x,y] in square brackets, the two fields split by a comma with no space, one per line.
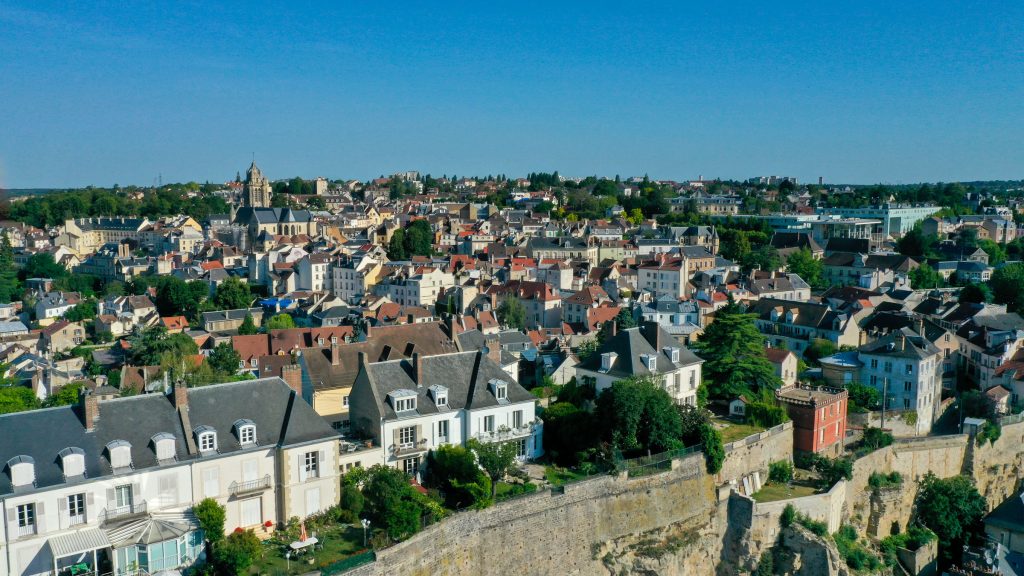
[644,465]
[1012,419]
[354,561]
[754,438]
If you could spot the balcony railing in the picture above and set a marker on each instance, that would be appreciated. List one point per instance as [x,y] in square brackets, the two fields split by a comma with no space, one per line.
[28,530]
[73,519]
[404,448]
[125,511]
[260,484]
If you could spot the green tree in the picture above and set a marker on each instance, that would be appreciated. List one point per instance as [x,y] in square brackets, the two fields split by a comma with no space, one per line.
[10,288]
[925,277]
[569,432]
[623,320]
[638,415]
[1006,287]
[85,310]
[496,458]
[976,293]
[810,269]
[42,265]
[17,399]
[863,397]
[236,553]
[454,471]
[714,450]
[734,354]
[952,508]
[280,321]
[224,358]
[763,257]
[832,470]
[512,313]
[211,517]
[996,253]
[818,349]
[875,438]
[352,499]
[248,326]
[232,294]
[391,502]
[67,395]
[396,246]
[419,238]
[149,347]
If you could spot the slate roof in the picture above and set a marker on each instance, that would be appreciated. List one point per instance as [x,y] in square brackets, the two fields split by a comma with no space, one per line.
[464,374]
[281,419]
[631,343]
[903,343]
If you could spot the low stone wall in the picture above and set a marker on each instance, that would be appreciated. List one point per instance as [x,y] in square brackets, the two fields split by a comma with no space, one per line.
[895,423]
[827,507]
[748,459]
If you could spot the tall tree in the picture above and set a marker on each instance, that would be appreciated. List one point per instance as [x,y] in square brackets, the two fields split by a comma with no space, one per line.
[804,264]
[512,313]
[925,277]
[225,358]
[396,246]
[10,289]
[232,294]
[734,354]
[953,509]
[496,458]
[1006,287]
[638,415]
[248,326]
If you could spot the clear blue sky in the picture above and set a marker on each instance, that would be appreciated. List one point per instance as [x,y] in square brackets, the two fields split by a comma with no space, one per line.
[867,91]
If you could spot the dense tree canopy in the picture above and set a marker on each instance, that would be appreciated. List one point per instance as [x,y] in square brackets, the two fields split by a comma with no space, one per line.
[809,268]
[637,416]
[150,347]
[734,354]
[953,509]
[512,313]
[1007,283]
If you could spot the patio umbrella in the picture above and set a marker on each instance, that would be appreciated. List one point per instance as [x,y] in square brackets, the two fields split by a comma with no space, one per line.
[302,532]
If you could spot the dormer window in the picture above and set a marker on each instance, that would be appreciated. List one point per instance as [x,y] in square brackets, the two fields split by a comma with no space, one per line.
[500,390]
[206,438]
[245,430]
[607,360]
[163,445]
[72,462]
[440,395]
[22,470]
[650,361]
[402,400]
[672,353]
[120,454]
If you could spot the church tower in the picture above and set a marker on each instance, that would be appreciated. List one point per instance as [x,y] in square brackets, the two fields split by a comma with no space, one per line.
[256,192]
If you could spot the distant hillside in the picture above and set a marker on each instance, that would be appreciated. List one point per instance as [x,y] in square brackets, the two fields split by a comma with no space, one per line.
[24,192]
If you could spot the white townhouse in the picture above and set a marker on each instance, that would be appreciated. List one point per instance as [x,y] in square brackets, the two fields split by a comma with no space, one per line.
[411,406]
[109,485]
[647,350]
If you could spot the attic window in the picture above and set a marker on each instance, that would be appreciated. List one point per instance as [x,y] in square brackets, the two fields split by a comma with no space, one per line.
[72,462]
[22,470]
[402,400]
[163,444]
[650,360]
[439,394]
[672,353]
[245,429]
[206,437]
[500,390]
[607,359]
[120,454]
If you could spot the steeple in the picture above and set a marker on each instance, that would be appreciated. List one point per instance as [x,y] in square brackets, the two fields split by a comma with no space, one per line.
[257,190]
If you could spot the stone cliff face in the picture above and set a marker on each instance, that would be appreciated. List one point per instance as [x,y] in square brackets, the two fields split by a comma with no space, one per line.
[682,521]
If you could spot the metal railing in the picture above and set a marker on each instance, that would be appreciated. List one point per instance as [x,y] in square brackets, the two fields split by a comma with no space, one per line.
[73,519]
[236,488]
[124,511]
[27,530]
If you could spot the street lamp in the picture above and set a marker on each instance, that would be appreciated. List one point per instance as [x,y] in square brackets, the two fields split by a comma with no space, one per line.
[366,524]
[288,560]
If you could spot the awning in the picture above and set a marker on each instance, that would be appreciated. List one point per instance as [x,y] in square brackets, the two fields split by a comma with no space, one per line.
[78,542]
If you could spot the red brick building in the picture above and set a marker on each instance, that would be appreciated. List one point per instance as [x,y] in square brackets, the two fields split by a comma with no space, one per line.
[819,418]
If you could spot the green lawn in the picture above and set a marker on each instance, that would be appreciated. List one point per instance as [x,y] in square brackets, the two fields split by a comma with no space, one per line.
[338,541]
[557,476]
[732,431]
[773,491]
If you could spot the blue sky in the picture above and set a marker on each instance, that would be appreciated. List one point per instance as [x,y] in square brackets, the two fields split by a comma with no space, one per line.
[103,93]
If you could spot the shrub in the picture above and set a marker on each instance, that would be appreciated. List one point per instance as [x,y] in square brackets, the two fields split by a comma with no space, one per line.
[766,414]
[237,552]
[788,516]
[833,470]
[352,500]
[781,471]
[990,431]
[211,518]
[879,480]
[853,552]
[766,565]
[875,438]
[817,527]
[714,451]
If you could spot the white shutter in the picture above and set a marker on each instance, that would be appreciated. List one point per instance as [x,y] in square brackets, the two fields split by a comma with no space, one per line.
[40,518]
[89,513]
[250,470]
[12,521]
[321,464]
[302,467]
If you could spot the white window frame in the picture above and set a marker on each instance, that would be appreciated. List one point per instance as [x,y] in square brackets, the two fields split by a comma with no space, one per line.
[488,424]
[207,441]
[247,435]
[311,464]
[76,507]
[26,515]
[407,437]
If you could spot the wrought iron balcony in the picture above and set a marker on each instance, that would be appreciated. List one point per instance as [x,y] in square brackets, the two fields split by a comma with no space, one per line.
[249,486]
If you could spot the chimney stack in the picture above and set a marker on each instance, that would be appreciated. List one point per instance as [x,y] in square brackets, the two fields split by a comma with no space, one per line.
[292,375]
[334,351]
[615,328]
[417,369]
[90,409]
[493,347]
[180,395]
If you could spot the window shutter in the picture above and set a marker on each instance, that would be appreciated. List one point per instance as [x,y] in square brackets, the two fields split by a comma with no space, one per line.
[40,518]
[394,437]
[321,462]
[302,467]
[12,520]
[419,433]
[89,506]
[62,509]
[136,493]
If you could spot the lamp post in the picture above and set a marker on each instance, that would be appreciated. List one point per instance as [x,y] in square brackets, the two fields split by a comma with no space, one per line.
[288,560]
[366,524]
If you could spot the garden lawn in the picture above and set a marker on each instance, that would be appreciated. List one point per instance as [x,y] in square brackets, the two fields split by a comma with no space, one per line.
[773,491]
[557,476]
[339,542]
[732,431]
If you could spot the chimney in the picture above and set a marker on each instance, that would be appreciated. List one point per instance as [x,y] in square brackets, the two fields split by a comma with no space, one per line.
[493,347]
[417,369]
[292,375]
[367,330]
[180,395]
[615,328]
[90,409]
[651,334]
[334,351]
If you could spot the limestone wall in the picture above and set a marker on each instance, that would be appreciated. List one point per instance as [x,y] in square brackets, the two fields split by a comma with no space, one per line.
[998,468]
[751,456]
[827,507]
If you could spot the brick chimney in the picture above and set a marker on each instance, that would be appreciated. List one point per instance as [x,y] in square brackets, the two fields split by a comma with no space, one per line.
[493,350]
[417,369]
[180,395]
[292,375]
[90,409]
[335,351]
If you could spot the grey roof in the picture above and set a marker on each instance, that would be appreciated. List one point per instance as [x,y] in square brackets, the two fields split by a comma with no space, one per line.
[464,374]
[280,417]
[902,343]
[630,344]
[239,314]
[511,340]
